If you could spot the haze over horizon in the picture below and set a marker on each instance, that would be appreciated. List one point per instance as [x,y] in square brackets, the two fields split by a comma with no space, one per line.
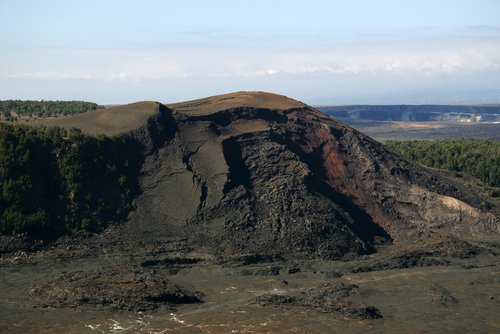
[320,52]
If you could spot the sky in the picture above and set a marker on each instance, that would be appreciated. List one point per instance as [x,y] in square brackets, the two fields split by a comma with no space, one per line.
[319,52]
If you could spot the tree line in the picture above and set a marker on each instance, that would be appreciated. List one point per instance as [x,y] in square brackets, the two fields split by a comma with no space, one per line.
[479,158]
[11,109]
[54,182]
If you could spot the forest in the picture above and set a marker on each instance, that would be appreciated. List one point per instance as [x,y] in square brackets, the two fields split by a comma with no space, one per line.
[12,109]
[479,158]
[53,181]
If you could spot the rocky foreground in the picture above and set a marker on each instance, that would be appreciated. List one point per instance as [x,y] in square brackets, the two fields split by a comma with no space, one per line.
[99,281]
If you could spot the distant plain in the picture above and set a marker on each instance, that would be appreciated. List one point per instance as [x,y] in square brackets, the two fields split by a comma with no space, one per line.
[382,130]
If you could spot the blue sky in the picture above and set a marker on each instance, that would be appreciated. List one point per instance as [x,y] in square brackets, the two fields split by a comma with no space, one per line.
[320,52]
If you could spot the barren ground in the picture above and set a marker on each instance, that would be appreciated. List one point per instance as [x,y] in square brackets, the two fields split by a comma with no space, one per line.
[460,295]
[427,130]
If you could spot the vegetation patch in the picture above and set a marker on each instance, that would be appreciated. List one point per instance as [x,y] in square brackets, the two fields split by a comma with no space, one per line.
[53,181]
[479,158]
[12,109]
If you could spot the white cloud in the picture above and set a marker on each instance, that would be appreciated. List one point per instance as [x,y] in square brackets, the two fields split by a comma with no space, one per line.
[124,72]
[429,57]
[389,59]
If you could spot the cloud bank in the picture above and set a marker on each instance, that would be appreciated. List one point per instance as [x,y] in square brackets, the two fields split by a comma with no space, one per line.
[395,58]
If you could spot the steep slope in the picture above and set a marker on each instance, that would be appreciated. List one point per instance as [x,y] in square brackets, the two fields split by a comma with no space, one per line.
[261,173]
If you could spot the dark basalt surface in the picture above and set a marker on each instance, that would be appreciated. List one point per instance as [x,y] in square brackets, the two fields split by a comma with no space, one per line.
[114,289]
[327,298]
[291,181]
[255,173]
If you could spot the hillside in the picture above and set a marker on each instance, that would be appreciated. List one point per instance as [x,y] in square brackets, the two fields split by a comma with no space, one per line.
[54,182]
[109,122]
[479,158]
[258,172]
